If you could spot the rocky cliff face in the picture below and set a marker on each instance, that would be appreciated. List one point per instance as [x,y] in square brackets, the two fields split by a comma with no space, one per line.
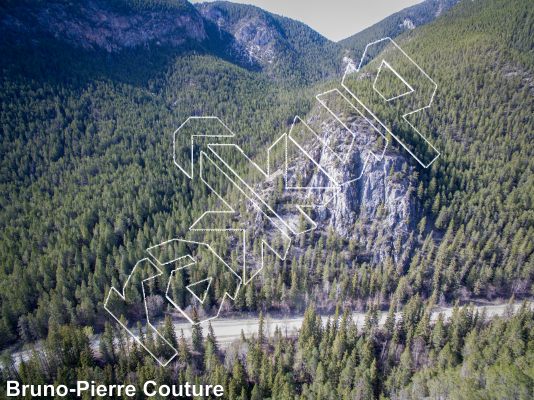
[96,25]
[375,187]
[374,203]
[93,26]
[253,38]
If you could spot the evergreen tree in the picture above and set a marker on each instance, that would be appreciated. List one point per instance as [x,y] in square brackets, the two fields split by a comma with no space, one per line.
[184,355]
[196,337]
[261,333]
[211,337]
[389,324]
[438,333]
[168,332]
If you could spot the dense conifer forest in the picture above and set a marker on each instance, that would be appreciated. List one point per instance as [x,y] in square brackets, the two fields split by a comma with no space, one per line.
[466,356]
[87,183]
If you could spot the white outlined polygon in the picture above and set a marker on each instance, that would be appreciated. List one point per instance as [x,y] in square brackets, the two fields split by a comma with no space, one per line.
[192,262]
[377,157]
[319,166]
[230,135]
[385,63]
[257,206]
[218,164]
[123,297]
[201,300]
[366,107]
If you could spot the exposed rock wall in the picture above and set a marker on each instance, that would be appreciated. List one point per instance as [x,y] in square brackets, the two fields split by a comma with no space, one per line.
[92,27]
[253,38]
[376,202]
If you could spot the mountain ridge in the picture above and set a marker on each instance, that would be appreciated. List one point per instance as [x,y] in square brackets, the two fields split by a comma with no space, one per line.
[248,35]
[88,182]
[87,185]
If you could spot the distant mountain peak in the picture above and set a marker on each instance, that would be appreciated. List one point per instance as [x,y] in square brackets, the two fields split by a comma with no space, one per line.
[407,24]
[399,22]
[253,35]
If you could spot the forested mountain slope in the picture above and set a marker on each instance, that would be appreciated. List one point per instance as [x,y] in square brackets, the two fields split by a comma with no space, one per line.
[396,24]
[293,47]
[286,49]
[102,24]
[246,35]
[87,176]
[90,94]
[87,183]
[480,192]
[87,179]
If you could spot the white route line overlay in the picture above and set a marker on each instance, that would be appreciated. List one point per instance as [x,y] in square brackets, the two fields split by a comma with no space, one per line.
[240,281]
[188,287]
[347,72]
[255,204]
[378,157]
[384,62]
[254,200]
[123,296]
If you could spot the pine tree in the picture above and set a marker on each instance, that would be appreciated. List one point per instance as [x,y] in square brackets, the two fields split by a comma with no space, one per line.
[367,354]
[251,297]
[389,324]
[308,329]
[266,377]
[256,393]
[141,333]
[196,337]
[376,313]
[240,302]
[320,374]
[254,362]
[261,333]
[184,355]
[294,291]
[209,354]
[238,377]
[211,337]
[374,378]
[438,333]
[346,379]
[87,358]
[423,328]
[406,361]
[168,332]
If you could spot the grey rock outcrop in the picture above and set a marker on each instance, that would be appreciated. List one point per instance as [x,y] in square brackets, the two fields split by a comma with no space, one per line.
[253,39]
[375,202]
[378,182]
[92,26]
